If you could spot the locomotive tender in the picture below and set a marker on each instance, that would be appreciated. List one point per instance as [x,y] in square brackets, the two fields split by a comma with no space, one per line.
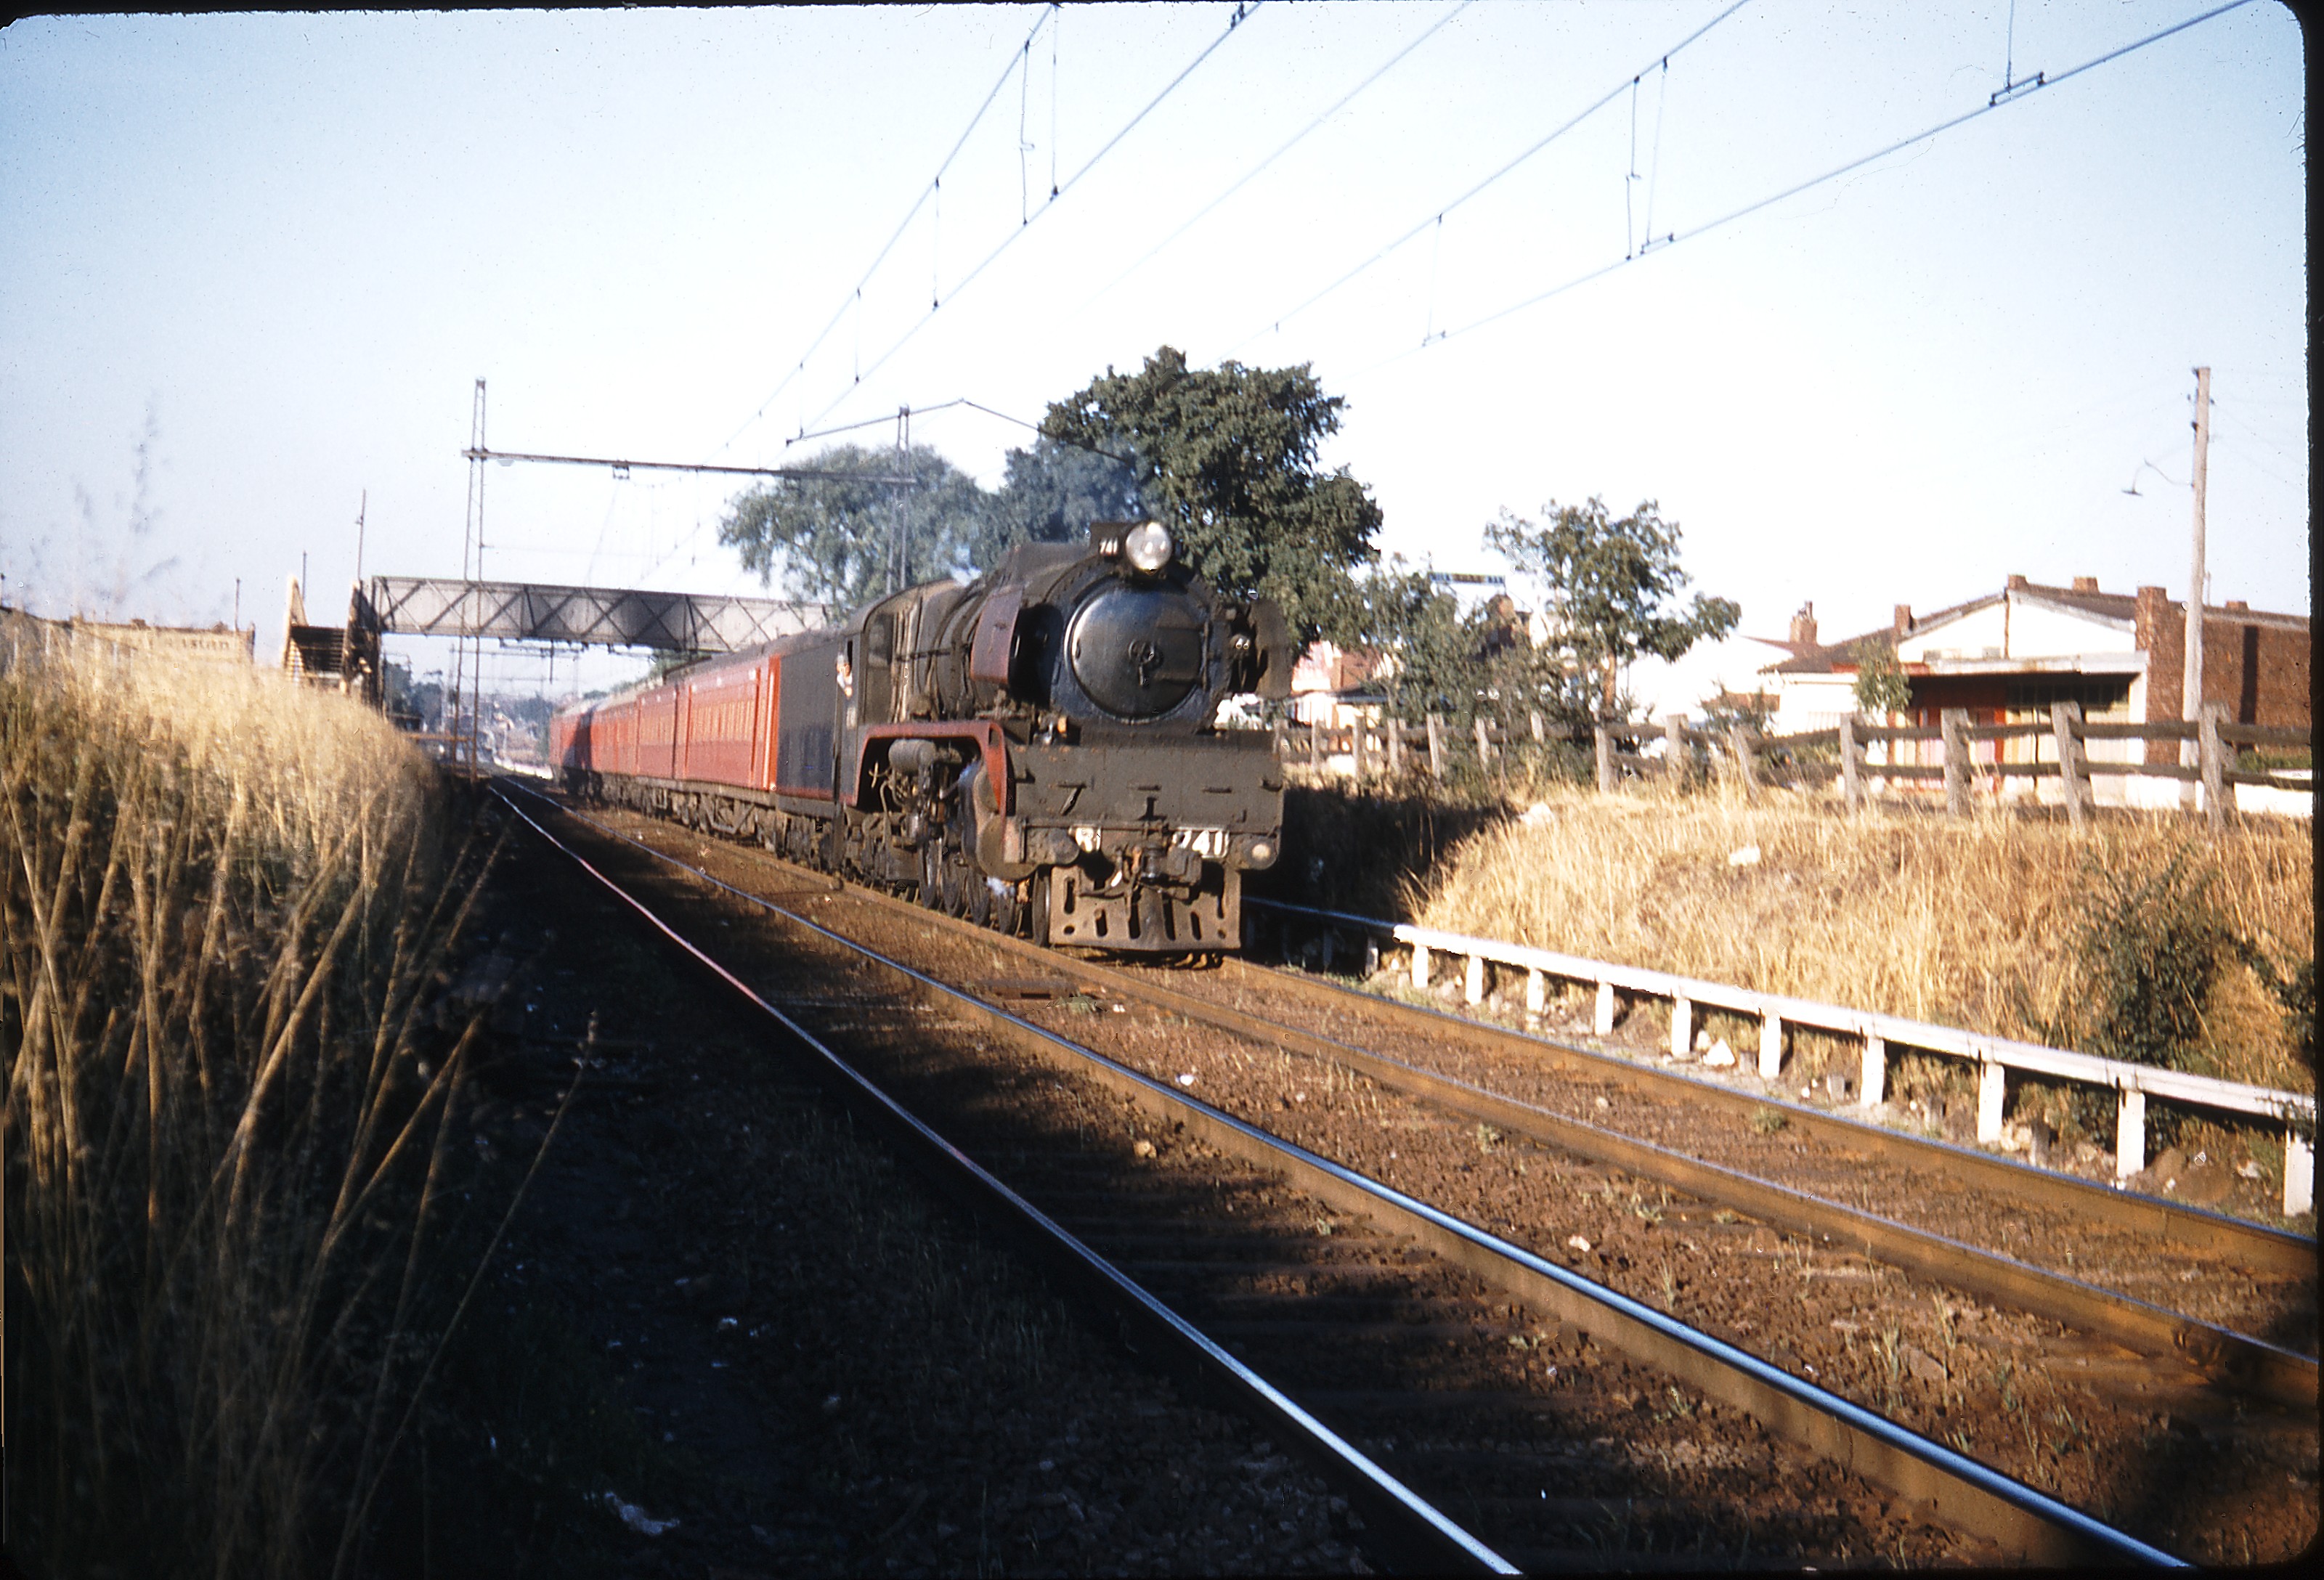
[1036,751]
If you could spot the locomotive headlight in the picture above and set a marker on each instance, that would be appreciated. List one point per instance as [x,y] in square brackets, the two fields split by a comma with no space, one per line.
[1147,546]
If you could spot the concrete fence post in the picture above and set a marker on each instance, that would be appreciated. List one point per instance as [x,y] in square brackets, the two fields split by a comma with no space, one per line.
[1436,747]
[1771,1046]
[1604,759]
[1420,965]
[1677,759]
[1956,731]
[1992,1089]
[2129,1133]
[1484,745]
[1315,746]
[1851,763]
[2073,762]
[1537,995]
[2299,1174]
[1681,1027]
[1872,1079]
[1395,747]
[1473,988]
[1538,737]
[1607,1007]
[2213,757]
[1356,748]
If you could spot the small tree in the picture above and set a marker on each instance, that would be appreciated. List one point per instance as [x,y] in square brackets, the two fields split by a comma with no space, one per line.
[1612,586]
[1882,687]
[1398,612]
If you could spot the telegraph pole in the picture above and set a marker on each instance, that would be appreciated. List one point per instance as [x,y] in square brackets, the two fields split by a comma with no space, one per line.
[472,569]
[2190,690]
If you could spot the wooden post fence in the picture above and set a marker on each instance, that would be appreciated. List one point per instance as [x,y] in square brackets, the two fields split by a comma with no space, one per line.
[2073,762]
[1851,763]
[2211,756]
[1676,756]
[1436,747]
[1605,758]
[1955,723]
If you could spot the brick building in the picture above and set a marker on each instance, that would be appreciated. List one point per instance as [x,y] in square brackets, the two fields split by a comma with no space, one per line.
[2005,657]
[2256,663]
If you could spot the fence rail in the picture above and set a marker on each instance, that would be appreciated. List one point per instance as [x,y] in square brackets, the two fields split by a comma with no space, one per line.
[1878,1033]
[1841,752]
[1756,759]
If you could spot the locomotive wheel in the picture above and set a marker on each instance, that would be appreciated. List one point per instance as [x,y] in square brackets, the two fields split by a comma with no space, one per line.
[956,882]
[931,893]
[1006,912]
[980,897]
[1037,924]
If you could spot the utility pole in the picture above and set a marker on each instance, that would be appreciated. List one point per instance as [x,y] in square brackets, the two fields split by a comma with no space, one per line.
[2190,690]
[471,567]
[362,509]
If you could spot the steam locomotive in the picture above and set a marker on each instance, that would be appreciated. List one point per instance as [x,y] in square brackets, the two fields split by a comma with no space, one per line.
[1037,751]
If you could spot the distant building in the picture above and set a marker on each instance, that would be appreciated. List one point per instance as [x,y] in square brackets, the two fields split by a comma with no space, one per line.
[212,644]
[2005,657]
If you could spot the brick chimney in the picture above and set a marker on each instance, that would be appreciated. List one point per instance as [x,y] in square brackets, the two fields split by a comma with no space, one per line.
[2239,606]
[2017,584]
[1803,630]
[1904,621]
[2085,583]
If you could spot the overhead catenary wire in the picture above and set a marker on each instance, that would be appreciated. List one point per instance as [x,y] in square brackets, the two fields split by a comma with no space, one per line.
[1243,11]
[917,411]
[1607,97]
[1656,245]
[1296,138]
[855,296]
[2039,82]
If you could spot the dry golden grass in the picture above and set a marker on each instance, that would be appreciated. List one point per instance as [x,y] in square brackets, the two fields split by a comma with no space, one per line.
[220,898]
[1964,922]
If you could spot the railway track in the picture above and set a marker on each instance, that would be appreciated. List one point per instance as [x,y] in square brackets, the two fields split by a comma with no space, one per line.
[1563,1421]
[2154,1220]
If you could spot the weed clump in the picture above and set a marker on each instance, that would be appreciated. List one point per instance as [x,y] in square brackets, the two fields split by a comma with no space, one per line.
[2182,949]
[221,899]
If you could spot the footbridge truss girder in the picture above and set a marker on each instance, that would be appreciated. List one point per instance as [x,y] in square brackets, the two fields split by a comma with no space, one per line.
[618,617]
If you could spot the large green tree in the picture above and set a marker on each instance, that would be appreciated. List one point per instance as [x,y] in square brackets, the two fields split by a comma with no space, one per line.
[1051,493]
[1227,457]
[1613,587]
[832,540]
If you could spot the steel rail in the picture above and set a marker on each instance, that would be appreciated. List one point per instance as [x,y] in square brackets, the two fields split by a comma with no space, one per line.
[2225,1355]
[1425,1533]
[2257,1245]
[1960,1493]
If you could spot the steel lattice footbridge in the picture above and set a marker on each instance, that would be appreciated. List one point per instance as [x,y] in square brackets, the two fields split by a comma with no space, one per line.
[618,617]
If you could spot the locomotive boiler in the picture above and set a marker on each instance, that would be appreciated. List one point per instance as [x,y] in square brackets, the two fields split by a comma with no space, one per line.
[1039,751]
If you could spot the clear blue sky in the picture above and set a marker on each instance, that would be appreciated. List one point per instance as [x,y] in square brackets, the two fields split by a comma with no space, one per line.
[295,241]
